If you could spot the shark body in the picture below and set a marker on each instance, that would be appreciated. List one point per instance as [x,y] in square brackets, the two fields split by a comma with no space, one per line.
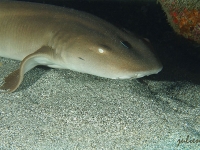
[40,34]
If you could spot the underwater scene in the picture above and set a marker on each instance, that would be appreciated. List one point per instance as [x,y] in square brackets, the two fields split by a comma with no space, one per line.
[130,81]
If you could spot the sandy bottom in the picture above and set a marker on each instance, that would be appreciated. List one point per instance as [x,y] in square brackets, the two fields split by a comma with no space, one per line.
[62,109]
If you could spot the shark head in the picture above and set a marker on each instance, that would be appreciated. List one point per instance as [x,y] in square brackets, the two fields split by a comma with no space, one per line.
[111,54]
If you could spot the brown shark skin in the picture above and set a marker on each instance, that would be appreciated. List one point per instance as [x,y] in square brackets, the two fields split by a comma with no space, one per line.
[58,37]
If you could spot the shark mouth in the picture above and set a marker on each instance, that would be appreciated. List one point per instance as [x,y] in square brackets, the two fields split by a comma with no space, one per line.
[139,74]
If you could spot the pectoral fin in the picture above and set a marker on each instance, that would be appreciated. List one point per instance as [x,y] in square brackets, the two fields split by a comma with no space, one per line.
[41,57]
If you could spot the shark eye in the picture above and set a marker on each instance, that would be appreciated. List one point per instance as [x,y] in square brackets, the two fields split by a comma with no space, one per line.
[126,44]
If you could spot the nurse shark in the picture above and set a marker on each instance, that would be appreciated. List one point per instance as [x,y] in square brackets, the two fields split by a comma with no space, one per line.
[57,37]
